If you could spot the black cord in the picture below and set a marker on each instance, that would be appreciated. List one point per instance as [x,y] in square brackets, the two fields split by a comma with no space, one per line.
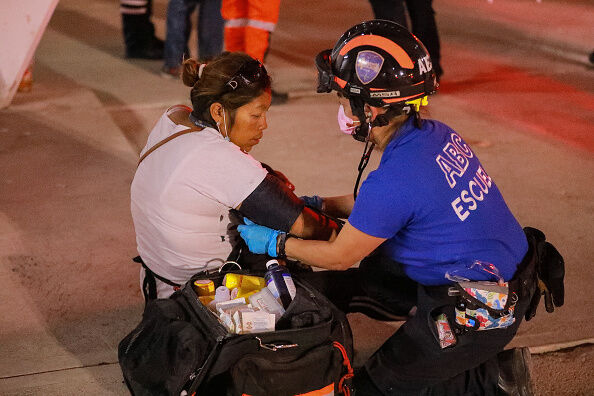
[363,164]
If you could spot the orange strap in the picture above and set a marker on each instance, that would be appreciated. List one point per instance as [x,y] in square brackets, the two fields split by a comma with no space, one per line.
[162,142]
[349,374]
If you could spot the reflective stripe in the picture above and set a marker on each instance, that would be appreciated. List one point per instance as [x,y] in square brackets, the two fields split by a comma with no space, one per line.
[139,3]
[325,391]
[341,83]
[132,11]
[243,22]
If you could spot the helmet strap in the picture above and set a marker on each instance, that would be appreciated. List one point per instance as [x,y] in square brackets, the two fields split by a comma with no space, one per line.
[380,121]
[418,119]
[358,109]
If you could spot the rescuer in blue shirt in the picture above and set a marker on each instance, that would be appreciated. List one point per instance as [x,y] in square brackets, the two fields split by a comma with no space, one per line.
[437,208]
[435,240]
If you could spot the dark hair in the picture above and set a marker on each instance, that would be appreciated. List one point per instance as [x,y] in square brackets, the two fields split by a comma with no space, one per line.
[209,85]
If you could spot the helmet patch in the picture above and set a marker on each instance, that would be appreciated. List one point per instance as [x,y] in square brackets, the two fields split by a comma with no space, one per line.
[368,66]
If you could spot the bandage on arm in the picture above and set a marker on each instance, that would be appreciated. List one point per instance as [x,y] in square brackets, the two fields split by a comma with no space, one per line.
[273,204]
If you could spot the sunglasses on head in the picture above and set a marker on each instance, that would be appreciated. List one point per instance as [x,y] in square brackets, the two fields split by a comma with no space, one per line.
[248,74]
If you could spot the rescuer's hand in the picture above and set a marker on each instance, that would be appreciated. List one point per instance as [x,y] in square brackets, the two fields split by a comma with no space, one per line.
[314,202]
[259,239]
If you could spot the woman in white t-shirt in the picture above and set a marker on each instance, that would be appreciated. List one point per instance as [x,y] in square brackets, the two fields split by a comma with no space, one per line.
[195,168]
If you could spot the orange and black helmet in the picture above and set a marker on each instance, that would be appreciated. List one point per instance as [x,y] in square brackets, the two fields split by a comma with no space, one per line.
[380,62]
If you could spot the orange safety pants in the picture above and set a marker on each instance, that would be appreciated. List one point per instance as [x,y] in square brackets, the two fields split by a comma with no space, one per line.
[248,24]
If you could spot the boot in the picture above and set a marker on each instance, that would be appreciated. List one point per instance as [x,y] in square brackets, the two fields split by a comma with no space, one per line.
[514,373]
[279,98]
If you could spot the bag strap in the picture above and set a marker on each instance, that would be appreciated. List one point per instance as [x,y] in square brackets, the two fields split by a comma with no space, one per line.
[149,285]
[342,387]
[167,139]
[171,114]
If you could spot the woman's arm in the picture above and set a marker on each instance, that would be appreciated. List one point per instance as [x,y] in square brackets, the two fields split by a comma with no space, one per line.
[273,204]
[339,207]
[348,248]
[312,225]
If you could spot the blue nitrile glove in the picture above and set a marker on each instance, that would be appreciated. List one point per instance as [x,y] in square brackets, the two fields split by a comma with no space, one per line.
[259,239]
[315,201]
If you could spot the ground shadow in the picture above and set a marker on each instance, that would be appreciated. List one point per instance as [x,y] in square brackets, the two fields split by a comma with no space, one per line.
[95,33]
[69,202]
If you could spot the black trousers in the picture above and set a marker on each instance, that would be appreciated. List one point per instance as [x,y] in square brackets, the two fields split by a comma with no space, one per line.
[137,27]
[411,362]
[422,18]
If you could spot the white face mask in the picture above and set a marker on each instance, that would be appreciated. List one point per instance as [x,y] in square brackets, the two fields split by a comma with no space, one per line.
[345,123]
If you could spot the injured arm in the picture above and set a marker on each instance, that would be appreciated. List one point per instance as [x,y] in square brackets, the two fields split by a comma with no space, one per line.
[274,205]
[348,248]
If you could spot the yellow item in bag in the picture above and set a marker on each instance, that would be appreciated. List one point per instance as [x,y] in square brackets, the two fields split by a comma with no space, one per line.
[242,293]
[204,287]
[205,300]
[245,283]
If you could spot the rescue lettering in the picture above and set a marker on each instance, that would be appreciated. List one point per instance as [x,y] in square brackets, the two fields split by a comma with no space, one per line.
[477,190]
[425,65]
[454,162]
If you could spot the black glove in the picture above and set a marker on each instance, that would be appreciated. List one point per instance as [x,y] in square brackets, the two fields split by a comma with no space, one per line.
[550,272]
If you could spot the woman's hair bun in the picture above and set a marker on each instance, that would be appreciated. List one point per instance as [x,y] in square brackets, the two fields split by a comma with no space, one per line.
[191,71]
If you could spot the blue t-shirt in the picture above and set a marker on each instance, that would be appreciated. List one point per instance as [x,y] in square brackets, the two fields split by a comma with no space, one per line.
[438,208]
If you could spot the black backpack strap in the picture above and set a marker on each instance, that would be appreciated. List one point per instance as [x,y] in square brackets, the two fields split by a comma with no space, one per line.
[237,250]
[149,284]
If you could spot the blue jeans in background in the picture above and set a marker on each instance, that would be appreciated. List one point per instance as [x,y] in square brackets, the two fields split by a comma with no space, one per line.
[179,26]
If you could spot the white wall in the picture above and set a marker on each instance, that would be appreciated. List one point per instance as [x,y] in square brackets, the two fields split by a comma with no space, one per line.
[22,23]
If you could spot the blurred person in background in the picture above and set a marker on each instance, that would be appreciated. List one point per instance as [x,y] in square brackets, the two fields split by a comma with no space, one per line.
[139,32]
[422,21]
[248,27]
[179,27]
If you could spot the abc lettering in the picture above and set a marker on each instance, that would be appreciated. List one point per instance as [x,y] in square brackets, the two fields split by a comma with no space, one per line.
[453,163]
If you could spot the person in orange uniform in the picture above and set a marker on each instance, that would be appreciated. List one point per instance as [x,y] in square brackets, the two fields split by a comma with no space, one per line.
[248,24]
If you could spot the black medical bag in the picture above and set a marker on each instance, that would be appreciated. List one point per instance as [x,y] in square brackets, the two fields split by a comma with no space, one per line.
[181,348]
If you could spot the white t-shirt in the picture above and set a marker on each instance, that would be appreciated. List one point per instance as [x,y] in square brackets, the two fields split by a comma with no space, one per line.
[181,195]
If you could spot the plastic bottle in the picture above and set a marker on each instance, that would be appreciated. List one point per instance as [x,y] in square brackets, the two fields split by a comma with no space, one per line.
[280,283]
[204,287]
[222,294]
